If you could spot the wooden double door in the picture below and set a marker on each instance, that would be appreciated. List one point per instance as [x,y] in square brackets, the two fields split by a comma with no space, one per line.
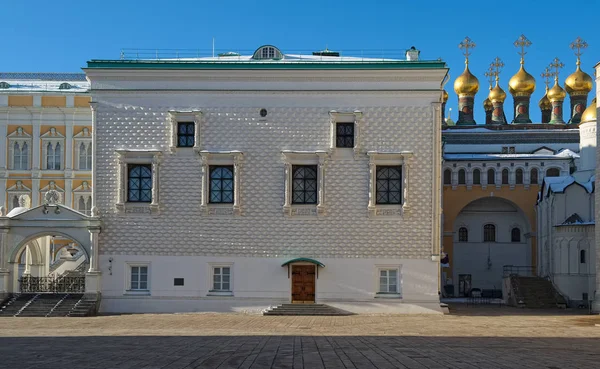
[303,284]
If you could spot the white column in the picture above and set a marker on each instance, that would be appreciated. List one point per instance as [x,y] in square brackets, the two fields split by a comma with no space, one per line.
[93,106]
[69,145]
[321,189]
[4,139]
[35,143]
[27,270]
[205,190]
[69,192]
[3,193]
[287,192]
[155,177]
[3,247]
[372,169]
[94,232]
[236,184]
[122,169]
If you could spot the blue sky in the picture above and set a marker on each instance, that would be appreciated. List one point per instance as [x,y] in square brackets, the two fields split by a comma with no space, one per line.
[62,35]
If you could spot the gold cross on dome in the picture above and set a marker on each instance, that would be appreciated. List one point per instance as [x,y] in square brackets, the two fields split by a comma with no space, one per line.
[490,75]
[522,42]
[497,65]
[466,44]
[556,64]
[578,44]
[546,75]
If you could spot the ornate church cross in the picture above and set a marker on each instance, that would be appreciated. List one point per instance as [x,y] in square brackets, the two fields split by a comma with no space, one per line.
[546,75]
[578,44]
[496,66]
[522,42]
[557,65]
[466,44]
[490,75]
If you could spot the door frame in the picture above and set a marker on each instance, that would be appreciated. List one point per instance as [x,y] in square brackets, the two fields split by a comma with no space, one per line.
[291,278]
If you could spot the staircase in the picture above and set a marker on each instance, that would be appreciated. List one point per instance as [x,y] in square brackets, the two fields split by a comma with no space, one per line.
[536,292]
[306,310]
[49,305]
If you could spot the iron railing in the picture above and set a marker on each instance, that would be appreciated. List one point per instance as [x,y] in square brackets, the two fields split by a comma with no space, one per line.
[523,271]
[29,284]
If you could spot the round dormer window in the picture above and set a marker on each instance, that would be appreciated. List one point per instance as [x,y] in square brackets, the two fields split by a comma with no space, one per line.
[267,52]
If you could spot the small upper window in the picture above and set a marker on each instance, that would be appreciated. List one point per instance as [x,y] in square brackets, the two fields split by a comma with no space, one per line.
[64,86]
[582,257]
[463,234]
[534,176]
[504,176]
[267,52]
[515,235]
[519,176]
[447,177]
[185,134]
[477,177]
[489,233]
[344,135]
[462,177]
[553,172]
[491,176]
[4,85]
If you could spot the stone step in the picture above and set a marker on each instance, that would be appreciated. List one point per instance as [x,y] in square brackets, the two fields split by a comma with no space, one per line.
[306,310]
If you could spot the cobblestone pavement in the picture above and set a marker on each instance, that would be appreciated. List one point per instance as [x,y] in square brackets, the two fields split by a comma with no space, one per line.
[474,338]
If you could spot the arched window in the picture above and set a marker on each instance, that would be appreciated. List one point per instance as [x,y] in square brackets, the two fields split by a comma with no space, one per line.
[221,184]
[50,156]
[553,172]
[491,176]
[64,86]
[85,204]
[582,257]
[504,176]
[476,176]
[15,201]
[24,156]
[462,177]
[489,233]
[85,156]
[534,176]
[463,234]
[57,156]
[4,85]
[515,235]
[17,156]
[447,177]
[519,176]
[267,52]
[139,183]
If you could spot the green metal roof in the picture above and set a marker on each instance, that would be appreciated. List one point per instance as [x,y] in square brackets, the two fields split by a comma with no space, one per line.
[307,260]
[199,64]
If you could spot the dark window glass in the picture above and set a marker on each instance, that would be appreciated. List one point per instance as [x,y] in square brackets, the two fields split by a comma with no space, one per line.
[519,176]
[463,235]
[491,174]
[462,177]
[139,187]
[178,281]
[553,172]
[582,256]
[221,184]
[534,176]
[185,134]
[389,185]
[304,184]
[477,177]
[504,176]
[344,136]
[515,235]
[447,177]
[489,233]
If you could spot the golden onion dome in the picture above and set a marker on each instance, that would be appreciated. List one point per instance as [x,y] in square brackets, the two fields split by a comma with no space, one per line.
[497,94]
[487,105]
[466,83]
[444,96]
[556,93]
[590,114]
[545,103]
[521,83]
[579,82]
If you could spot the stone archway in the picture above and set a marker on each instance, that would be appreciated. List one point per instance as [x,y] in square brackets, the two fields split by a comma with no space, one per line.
[23,225]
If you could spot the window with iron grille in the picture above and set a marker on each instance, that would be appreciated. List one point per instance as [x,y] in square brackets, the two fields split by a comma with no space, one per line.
[344,136]
[185,134]
[463,234]
[304,184]
[489,233]
[221,184]
[139,183]
[389,185]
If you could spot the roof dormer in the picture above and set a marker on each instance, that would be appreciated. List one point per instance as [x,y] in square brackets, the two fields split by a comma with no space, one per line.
[267,52]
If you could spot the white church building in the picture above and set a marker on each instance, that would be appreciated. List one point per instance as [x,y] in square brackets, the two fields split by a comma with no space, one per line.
[235,183]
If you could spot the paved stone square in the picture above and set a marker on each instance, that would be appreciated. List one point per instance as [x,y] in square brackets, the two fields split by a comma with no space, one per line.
[469,338]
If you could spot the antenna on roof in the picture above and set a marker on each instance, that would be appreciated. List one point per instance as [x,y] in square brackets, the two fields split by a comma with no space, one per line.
[213,47]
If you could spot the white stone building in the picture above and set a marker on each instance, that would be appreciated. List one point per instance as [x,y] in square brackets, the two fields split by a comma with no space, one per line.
[239,182]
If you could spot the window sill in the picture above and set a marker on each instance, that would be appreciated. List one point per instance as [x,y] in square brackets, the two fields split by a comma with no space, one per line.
[387,211]
[227,209]
[137,292]
[220,293]
[138,208]
[387,295]
[303,211]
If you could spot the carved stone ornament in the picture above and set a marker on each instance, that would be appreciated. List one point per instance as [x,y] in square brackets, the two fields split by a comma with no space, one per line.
[24,201]
[52,197]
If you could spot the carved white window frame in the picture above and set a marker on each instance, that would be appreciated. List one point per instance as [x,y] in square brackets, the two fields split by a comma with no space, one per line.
[291,158]
[53,137]
[388,158]
[336,117]
[20,137]
[84,137]
[83,191]
[17,190]
[52,186]
[126,157]
[176,116]
[209,158]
